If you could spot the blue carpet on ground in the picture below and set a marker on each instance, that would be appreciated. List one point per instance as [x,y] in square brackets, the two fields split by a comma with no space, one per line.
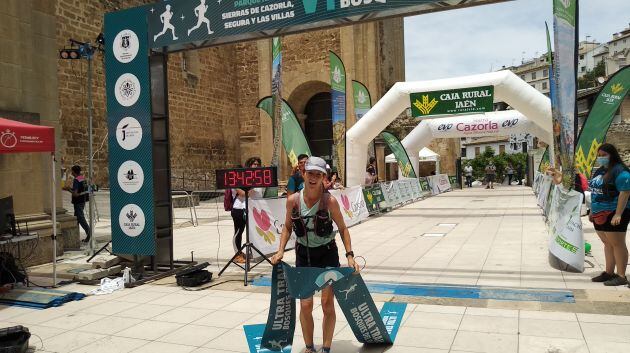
[460,292]
[38,298]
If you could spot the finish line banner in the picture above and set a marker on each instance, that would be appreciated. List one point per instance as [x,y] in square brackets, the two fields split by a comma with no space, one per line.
[288,283]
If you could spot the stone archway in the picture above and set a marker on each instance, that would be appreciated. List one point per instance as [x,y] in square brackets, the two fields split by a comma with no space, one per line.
[318,125]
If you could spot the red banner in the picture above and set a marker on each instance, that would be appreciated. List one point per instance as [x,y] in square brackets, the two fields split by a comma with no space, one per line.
[17,137]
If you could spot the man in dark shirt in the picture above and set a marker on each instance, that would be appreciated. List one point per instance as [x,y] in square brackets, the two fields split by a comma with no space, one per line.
[80,196]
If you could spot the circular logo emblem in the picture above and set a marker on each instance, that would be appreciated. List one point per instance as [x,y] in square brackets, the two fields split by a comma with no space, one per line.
[129,133]
[131,220]
[125,46]
[127,90]
[8,139]
[130,177]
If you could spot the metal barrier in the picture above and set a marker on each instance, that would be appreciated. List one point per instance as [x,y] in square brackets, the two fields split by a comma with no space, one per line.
[188,202]
[210,208]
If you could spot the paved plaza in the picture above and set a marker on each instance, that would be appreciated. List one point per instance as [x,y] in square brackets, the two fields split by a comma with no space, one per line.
[492,241]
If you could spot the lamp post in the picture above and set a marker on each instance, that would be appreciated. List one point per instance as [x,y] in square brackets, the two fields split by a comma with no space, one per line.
[86,51]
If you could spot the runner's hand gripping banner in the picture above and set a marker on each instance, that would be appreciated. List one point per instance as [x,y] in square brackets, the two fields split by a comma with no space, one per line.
[368,325]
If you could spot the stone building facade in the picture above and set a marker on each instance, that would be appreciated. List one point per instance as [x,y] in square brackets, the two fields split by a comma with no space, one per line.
[213,92]
[28,82]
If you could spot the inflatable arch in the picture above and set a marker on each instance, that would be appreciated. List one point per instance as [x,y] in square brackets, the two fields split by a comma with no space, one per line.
[508,88]
[499,123]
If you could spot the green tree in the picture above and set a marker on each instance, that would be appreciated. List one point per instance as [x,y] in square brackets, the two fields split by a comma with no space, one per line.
[501,162]
[590,77]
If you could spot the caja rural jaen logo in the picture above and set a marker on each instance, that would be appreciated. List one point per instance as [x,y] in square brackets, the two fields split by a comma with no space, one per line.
[426,106]
[616,88]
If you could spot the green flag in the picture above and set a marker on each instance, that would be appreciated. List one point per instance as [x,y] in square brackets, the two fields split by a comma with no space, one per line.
[338,97]
[293,138]
[400,153]
[599,119]
[362,104]
[565,24]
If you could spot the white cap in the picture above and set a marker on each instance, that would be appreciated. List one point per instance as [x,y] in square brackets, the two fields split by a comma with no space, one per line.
[316,164]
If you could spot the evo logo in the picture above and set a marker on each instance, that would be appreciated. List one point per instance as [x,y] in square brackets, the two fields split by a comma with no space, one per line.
[310,6]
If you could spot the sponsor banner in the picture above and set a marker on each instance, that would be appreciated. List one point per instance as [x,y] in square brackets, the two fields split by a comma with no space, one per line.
[278,333]
[128,88]
[368,325]
[424,184]
[20,137]
[599,119]
[390,191]
[450,102]
[352,204]
[362,99]
[400,153]
[266,217]
[472,126]
[543,191]
[439,183]
[362,104]
[565,75]
[338,96]
[293,138]
[566,241]
[265,221]
[374,198]
[175,23]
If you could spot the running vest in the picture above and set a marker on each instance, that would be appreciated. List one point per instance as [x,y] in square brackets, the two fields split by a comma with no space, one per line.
[307,220]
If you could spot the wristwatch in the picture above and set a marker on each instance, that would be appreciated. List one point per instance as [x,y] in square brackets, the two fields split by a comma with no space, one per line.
[350,253]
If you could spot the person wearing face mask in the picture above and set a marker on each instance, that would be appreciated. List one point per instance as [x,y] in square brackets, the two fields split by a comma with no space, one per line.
[610,212]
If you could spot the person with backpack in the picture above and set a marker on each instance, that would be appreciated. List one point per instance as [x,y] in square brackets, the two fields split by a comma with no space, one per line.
[610,212]
[311,213]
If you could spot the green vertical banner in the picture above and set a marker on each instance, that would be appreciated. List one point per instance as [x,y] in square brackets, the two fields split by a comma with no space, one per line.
[276,97]
[565,15]
[338,97]
[128,89]
[293,138]
[599,119]
[400,153]
[362,104]
[553,93]
[362,99]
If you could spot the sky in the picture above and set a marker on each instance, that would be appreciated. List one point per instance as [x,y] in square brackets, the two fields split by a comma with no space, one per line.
[484,38]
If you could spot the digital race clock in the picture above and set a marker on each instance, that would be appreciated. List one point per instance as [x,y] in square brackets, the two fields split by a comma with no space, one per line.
[243,178]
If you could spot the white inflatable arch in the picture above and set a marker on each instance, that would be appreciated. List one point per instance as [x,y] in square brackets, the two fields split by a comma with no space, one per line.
[499,123]
[508,88]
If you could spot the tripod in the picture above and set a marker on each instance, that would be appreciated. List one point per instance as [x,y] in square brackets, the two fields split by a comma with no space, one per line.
[248,246]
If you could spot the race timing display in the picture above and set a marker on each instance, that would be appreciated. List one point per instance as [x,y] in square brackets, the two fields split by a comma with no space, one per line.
[247,178]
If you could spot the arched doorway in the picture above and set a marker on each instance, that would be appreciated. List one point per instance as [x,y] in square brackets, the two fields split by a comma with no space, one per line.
[318,125]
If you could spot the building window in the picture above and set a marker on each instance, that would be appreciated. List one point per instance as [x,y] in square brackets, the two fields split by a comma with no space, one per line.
[583,69]
[545,72]
[582,57]
[501,148]
[544,85]
[463,151]
[523,77]
[533,85]
[534,75]
[477,151]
